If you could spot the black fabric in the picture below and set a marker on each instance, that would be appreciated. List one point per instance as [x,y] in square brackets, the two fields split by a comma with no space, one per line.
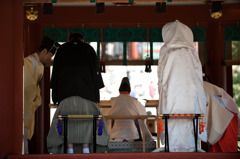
[76,72]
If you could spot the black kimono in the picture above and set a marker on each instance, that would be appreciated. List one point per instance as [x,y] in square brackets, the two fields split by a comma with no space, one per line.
[75,84]
[76,72]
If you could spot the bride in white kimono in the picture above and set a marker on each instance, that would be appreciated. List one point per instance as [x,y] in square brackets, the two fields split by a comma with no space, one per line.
[180,86]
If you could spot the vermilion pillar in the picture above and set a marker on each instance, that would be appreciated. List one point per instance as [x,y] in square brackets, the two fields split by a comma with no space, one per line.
[214,53]
[11,80]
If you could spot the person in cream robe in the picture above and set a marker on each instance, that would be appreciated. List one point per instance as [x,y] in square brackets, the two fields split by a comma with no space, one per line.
[124,104]
[180,86]
[33,72]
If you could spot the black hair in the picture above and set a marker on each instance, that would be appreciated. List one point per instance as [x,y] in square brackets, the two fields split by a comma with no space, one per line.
[49,44]
[125,85]
[75,36]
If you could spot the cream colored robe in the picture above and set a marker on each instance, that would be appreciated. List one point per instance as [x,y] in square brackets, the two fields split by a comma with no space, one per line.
[33,71]
[122,129]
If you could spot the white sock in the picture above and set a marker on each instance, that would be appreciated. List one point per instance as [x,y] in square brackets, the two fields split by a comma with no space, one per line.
[86,150]
[70,150]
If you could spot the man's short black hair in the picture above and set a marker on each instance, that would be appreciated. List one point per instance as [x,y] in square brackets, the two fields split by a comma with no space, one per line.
[75,36]
[49,44]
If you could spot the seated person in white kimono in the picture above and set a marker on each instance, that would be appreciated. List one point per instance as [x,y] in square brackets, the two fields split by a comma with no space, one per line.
[222,119]
[124,104]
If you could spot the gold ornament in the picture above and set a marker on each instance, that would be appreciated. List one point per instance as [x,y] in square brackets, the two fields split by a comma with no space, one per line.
[216,15]
[32,14]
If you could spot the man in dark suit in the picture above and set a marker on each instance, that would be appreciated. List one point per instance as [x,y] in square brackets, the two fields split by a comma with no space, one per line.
[75,85]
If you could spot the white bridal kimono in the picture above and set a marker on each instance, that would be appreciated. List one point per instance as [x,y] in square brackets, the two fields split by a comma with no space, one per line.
[126,128]
[180,85]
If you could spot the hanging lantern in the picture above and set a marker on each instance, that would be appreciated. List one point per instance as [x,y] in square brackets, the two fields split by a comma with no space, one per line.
[102,66]
[148,62]
[216,11]
[148,65]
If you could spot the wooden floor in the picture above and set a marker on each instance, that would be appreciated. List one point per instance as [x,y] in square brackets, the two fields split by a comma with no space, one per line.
[150,155]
